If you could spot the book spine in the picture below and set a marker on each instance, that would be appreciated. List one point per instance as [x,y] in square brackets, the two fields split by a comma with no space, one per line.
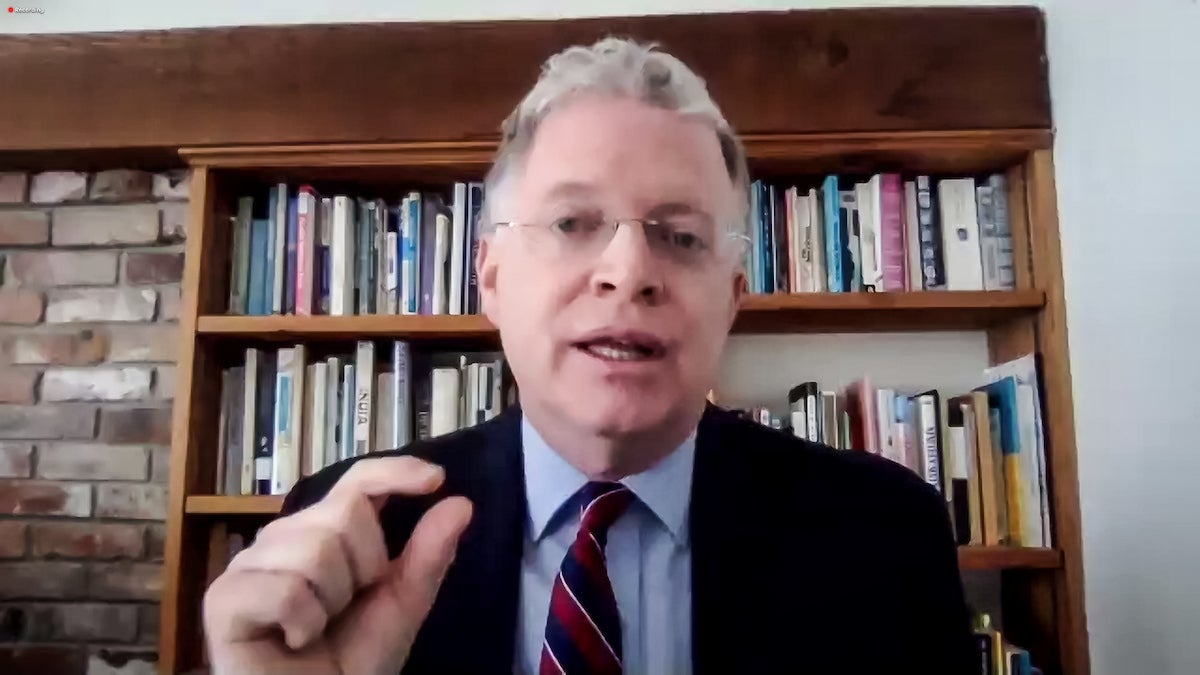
[866,199]
[833,254]
[379,255]
[384,424]
[392,277]
[279,241]
[779,241]
[364,262]
[364,372]
[256,301]
[409,262]
[264,422]
[496,383]
[290,269]
[1005,277]
[891,232]
[306,216]
[341,290]
[849,246]
[474,228]
[767,248]
[249,421]
[324,257]
[753,254]
[933,271]
[402,431]
[912,238]
[441,259]
[333,410]
[458,241]
[816,234]
[273,233]
[443,413]
[427,254]
[927,417]
[801,243]
[319,388]
[960,234]
[236,432]
[795,248]
[239,279]
[346,420]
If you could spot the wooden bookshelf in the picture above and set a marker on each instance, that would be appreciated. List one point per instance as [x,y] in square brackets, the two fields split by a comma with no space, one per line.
[985,109]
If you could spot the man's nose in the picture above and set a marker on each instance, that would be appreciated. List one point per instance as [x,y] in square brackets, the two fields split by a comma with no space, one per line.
[627,267]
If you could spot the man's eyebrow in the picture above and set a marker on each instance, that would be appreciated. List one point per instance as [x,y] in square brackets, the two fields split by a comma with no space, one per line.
[668,209]
[570,189]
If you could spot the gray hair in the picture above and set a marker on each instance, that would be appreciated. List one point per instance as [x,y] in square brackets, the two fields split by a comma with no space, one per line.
[619,67]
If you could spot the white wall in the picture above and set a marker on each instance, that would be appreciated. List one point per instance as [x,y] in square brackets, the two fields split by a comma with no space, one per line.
[1126,104]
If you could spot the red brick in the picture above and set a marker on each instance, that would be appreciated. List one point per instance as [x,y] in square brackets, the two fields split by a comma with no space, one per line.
[172,184]
[47,421]
[17,385]
[151,342]
[126,581]
[143,267]
[87,540]
[16,459]
[136,425]
[64,268]
[91,462]
[24,228]
[104,225]
[84,347]
[140,501]
[42,580]
[120,661]
[100,304]
[12,187]
[156,542]
[12,538]
[20,306]
[174,216]
[96,384]
[22,660]
[148,618]
[171,304]
[119,184]
[45,498]
[53,187]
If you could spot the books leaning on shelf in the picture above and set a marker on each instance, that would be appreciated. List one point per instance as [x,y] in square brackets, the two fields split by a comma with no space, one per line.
[996,655]
[984,450]
[882,234]
[287,413]
[301,252]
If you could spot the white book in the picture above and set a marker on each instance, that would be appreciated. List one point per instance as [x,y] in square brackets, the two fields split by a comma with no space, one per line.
[458,242]
[391,279]
[816,235]
[285,453]
[306,242]
[333,410]
[1035,512]
[912,237]
[496,404]
[472,396]
[443,406]
[402,428]
[801,253]
[325,237]
[927,422]
[960,234]
[800,422]
[319,386]
[483,397]
[364,397]
[342,257]
[870,240]
[279,274]
[346,416]
[885,416]
[249,419]
[384,395]
[441,251]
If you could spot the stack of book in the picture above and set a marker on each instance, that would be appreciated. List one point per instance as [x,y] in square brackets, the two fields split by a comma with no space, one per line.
[288,413]
[881,234]
[996,655]
[984,450]
[299,252]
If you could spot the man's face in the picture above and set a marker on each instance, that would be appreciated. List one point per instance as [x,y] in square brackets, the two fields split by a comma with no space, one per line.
[619,335]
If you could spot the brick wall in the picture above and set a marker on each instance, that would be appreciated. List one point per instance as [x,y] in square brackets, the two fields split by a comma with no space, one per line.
[89,303]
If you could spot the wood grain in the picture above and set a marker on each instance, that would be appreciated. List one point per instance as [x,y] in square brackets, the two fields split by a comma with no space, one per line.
[1046,250]
[234,505]
[772,72]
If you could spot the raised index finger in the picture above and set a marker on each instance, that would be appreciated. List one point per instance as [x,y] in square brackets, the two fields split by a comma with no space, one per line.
[378,477]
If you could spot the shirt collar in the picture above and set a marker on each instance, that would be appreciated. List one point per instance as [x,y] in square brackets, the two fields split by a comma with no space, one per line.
[550,481]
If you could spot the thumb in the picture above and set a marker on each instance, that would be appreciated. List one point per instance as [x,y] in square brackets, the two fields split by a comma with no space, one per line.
[377,631]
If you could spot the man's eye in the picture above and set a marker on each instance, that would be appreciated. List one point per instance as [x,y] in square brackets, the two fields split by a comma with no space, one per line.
[575,225]
[688,241]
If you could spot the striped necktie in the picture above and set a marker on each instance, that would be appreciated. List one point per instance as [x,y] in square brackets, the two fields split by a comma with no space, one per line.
[583,626]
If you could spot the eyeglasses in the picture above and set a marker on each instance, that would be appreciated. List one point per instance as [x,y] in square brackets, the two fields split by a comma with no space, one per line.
[685,240]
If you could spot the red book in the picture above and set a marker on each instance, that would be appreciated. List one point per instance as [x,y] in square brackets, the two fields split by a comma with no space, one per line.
[306,218]
[891,234]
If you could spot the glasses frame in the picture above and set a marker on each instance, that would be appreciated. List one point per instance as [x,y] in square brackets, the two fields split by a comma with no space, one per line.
[742,240]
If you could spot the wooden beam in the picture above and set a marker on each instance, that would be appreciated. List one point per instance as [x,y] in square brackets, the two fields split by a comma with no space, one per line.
[772,72]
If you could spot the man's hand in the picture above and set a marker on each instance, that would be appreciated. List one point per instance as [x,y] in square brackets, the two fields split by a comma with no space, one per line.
[316,592]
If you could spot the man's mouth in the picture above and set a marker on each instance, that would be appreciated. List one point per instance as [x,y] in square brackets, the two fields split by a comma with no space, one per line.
[625,347]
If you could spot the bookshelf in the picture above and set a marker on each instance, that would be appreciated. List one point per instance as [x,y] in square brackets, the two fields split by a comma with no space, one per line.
[1042,589]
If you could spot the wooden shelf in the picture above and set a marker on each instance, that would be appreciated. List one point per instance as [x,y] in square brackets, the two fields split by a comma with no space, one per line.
[240,505]
[775,313]
[972,558]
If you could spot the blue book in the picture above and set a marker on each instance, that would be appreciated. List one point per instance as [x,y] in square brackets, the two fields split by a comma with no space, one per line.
[402,430]
[273,231]
[289,268]
[831,201]
[409,261]
[766,250]
[258,286]
[753,264]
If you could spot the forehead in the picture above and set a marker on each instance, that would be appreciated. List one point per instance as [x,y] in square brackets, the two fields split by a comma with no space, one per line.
[622,150]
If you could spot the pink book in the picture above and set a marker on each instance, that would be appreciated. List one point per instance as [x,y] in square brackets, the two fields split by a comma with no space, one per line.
[891,204]
[306,215]
[860,406]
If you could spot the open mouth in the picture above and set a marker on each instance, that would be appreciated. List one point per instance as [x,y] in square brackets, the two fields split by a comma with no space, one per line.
[623,347]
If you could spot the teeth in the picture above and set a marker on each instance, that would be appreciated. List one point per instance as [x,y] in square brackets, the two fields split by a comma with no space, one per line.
[615,353]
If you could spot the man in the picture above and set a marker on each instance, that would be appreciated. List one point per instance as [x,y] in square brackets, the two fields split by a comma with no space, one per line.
[614,522]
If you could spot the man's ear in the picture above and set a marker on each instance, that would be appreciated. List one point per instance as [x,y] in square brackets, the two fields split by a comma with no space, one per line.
[485,276]
[740,289]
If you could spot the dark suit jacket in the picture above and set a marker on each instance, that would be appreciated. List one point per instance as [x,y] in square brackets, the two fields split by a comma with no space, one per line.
[804,559]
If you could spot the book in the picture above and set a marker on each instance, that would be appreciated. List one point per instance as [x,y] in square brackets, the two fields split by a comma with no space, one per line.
[402,428]
[364,397]
[258,281]
[289,265]
[306,249]
[317,413]
[474,229]
[929,229]
[239,277]
[890,245]
[458,250]
[960,234]
[277,262]
[342,258]
[912,239]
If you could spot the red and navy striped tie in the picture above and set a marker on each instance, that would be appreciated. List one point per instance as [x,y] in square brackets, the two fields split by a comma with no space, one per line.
[583,627]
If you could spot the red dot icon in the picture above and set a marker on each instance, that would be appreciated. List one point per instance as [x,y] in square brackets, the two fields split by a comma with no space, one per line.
[10,9]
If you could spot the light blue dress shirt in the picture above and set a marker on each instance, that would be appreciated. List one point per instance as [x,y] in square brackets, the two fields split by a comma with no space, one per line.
[649,557]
